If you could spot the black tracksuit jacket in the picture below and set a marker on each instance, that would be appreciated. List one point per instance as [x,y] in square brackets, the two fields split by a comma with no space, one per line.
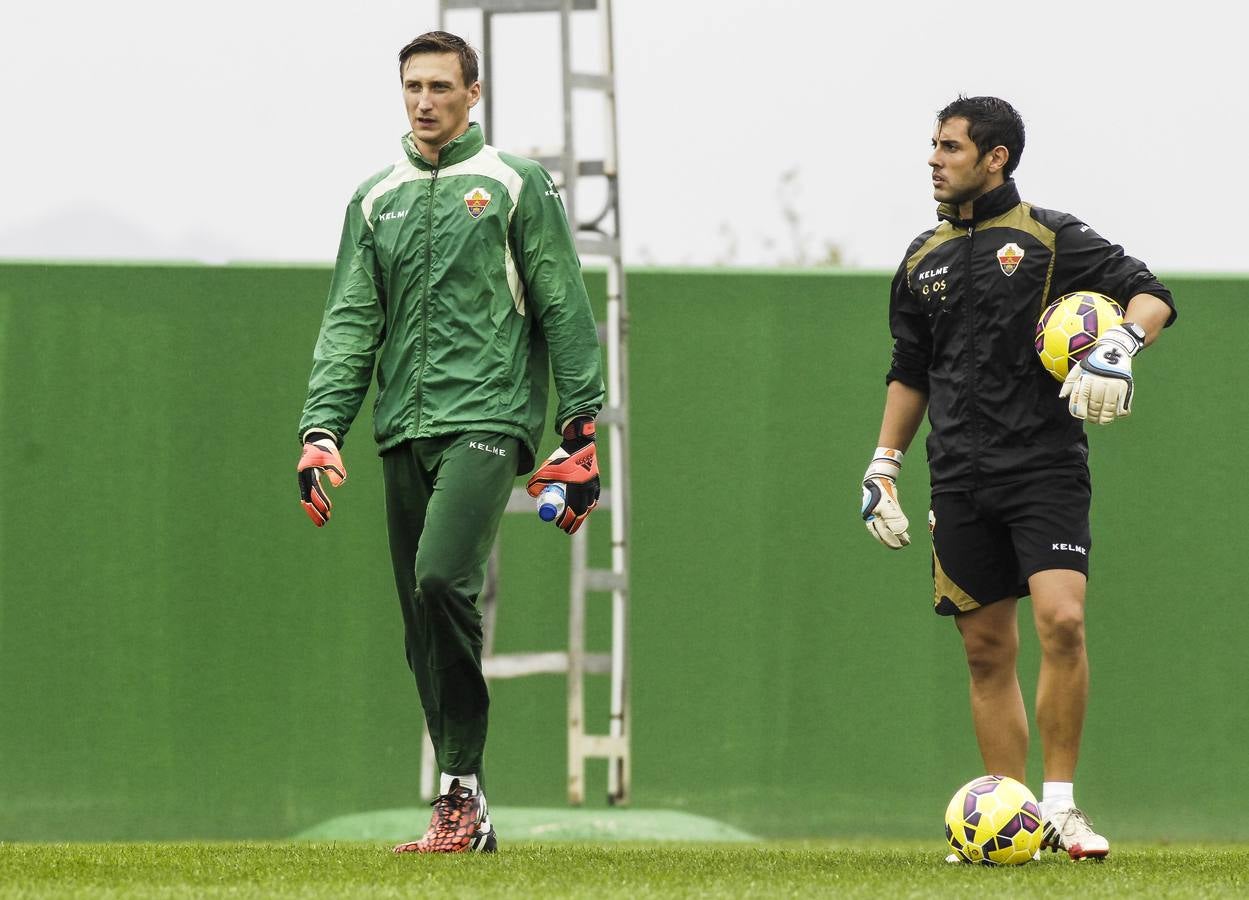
[963,311]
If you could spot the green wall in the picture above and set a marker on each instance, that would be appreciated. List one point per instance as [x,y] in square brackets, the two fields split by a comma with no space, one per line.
[183,655]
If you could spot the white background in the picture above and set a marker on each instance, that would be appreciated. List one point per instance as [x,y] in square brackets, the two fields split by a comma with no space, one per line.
[238,130]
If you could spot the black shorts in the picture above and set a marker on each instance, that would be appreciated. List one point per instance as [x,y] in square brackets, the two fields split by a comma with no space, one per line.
[987,542]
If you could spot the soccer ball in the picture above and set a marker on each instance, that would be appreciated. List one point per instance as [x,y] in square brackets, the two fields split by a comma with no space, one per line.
[993,821]
[1070,326]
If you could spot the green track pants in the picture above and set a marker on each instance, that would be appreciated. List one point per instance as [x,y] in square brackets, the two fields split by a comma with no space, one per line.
[445,498]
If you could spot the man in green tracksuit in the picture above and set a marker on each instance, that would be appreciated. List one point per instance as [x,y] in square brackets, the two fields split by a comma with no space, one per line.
[457,277]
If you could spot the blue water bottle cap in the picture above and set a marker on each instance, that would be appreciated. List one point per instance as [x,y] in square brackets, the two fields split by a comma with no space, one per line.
[550,502]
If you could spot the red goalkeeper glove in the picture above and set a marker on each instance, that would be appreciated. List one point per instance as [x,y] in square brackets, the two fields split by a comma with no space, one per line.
[320,455]
[574,464]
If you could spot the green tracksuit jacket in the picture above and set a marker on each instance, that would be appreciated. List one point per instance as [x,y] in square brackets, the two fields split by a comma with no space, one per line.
[459,281]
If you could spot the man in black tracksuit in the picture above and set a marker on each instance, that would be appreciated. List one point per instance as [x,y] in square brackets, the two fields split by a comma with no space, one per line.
[1007,451]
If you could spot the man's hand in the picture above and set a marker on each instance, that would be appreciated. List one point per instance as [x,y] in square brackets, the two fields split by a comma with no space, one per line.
[1099,387]
[881,510]
[320,455]
[575,465]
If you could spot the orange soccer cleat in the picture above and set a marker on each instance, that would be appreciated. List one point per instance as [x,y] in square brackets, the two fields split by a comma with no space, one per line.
[461,822]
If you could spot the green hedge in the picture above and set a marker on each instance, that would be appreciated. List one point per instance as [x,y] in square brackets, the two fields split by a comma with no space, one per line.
[183,655]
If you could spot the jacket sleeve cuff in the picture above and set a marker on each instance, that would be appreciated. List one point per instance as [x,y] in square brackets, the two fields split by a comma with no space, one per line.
[567,420]
[910,379]
[320,430]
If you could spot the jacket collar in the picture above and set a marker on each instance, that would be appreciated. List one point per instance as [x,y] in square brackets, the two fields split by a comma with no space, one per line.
[986,206]
[454,151]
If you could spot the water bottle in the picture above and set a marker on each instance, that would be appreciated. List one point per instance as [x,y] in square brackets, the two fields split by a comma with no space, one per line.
[551,502]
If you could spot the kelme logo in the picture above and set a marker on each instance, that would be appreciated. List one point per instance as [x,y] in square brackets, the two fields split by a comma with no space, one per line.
[486,448]
[477,200]
[1009,258]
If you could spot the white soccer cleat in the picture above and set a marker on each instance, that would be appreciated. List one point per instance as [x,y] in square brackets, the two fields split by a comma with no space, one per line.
[1070,829]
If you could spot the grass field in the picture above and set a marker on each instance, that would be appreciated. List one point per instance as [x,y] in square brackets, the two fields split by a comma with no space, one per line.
[315,870]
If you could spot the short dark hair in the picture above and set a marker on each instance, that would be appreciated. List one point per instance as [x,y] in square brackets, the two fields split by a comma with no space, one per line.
[442,42]
[990,122]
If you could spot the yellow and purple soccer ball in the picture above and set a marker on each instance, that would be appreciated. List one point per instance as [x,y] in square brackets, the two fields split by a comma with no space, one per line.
[1070,326]
[993,821]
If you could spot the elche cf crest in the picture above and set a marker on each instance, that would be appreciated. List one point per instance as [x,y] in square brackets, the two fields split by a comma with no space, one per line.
[477,200]
[1008,257]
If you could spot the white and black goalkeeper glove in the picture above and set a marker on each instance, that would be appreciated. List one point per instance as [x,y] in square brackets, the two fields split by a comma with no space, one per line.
[881,510]
[1099,387]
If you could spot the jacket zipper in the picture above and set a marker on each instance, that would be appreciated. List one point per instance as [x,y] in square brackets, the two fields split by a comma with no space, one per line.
[424,311]
[972,385]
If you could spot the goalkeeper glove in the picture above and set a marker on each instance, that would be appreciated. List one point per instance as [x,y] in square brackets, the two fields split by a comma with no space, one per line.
[320,455]
[881,510]
[574,464]
[1099,387]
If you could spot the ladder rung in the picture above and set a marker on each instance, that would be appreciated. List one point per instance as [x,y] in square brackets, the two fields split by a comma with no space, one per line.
[514,665]
[591,81]
[597,663]
[598,245]
[605,580]
[517,6]
[519,502]
[585,167]
[603,745]
[602,332]
[517,665]
[611,415]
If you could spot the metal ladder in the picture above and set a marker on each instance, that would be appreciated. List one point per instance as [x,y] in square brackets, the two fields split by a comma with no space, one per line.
[597,237]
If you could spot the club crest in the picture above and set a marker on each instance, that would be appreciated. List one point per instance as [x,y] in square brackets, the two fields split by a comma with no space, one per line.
[477,200]
[1009,257]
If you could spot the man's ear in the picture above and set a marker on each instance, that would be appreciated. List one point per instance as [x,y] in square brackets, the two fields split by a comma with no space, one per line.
[999,156]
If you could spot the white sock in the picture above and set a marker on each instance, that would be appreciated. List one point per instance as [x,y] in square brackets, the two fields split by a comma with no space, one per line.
[467,783]
[1056,795]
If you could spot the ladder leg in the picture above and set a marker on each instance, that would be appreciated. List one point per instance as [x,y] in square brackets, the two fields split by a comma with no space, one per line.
[569,163]
[576,669]
[489,601]
[428,764]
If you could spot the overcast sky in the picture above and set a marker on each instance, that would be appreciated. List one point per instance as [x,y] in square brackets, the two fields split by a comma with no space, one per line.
[238,130]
